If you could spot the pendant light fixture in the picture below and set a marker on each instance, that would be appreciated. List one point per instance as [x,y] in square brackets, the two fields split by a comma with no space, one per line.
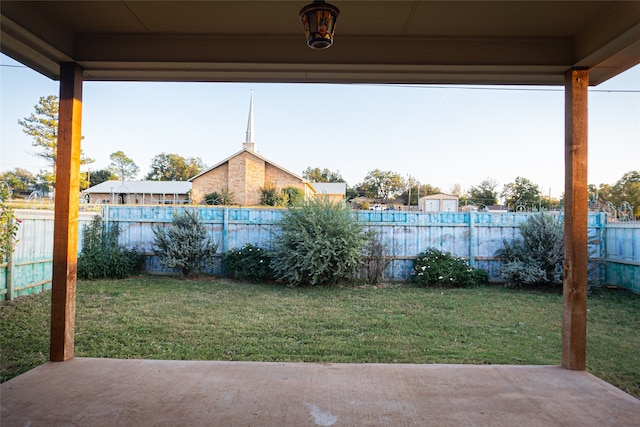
[319,21]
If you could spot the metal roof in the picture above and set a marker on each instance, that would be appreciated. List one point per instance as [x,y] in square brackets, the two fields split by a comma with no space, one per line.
[330,187]
[140,187]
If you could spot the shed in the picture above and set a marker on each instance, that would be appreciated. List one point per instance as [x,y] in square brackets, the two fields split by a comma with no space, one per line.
[438,203]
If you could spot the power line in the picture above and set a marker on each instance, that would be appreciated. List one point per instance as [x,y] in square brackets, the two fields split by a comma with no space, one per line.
[521,89]
[463,87]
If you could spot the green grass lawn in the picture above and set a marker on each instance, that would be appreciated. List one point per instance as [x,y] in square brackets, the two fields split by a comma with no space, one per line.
[201,319]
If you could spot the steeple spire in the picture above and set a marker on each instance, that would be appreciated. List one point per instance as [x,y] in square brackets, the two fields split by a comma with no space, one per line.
[250,144]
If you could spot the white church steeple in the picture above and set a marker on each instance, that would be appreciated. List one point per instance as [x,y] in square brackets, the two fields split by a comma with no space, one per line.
[250,144]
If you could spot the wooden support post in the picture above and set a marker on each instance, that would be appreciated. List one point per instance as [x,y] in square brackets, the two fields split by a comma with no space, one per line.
[576,205]
[67,195]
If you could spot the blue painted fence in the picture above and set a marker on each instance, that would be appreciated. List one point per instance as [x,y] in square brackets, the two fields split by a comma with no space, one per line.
[28,269]
[476,236]
[622,260]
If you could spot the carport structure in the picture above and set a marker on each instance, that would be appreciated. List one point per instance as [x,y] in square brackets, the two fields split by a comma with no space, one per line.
[573,44]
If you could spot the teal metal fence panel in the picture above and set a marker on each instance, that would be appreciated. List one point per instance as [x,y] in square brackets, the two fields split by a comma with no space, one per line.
[30,266]
[476,236]
[622,255]
[228,227]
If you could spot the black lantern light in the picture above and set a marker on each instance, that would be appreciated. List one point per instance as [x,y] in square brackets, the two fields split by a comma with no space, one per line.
[319,20]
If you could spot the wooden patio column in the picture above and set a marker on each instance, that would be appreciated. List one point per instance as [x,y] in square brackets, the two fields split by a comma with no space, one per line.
[65,232]
[574,303]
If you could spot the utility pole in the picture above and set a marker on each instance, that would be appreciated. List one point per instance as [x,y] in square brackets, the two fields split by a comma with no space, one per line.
[409,198]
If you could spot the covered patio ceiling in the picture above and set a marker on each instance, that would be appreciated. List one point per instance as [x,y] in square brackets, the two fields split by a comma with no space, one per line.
[400,41]
[569,43]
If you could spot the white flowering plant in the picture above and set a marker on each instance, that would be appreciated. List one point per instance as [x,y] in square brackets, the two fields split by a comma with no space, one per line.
[249,263]
[437,268]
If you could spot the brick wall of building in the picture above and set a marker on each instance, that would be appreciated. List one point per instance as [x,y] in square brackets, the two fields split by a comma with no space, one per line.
[246,178]
[245,175]
[281,179]
[214,180]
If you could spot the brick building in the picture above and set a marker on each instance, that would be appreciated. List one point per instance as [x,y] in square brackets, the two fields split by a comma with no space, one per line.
[245,173]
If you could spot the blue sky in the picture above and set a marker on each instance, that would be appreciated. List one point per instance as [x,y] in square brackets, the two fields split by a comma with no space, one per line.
[440,135]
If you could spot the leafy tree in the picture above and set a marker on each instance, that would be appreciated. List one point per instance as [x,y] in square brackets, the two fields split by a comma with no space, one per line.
[324,175]
[418,190]
[185,245]
[173,167]
[42,126]
[320,243]
[122,166]
[627,189]
[19,180]
[44,180]
[356,191]
[484,193]
[456,190]
[99,176]
[521,193]
[383,184]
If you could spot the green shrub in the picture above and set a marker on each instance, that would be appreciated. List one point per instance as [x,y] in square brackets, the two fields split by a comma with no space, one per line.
[102,257]
[294,195]
[436,268]
[222,198]
[249,263]
[184,246]
[537,257]
[270,196]
[320,244]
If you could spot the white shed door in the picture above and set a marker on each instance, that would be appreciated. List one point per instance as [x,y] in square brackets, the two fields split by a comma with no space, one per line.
[432,205]
[449,205]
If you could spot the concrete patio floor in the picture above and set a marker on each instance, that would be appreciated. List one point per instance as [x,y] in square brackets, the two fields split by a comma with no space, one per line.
[109,392]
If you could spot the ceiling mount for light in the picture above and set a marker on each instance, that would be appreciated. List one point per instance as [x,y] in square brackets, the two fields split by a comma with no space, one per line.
[319,20]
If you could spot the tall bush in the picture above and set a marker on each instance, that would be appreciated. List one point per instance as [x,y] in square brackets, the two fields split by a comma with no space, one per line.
[184,245]
[320,243]
[537,257]
[102,256]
